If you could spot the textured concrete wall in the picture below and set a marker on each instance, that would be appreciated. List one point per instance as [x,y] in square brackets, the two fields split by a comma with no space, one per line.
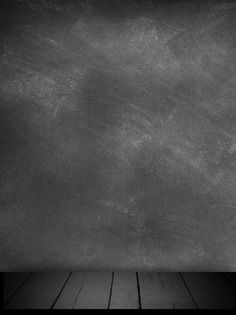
[118,135]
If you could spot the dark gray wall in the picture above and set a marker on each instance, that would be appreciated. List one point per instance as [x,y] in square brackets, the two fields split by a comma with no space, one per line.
[118,135]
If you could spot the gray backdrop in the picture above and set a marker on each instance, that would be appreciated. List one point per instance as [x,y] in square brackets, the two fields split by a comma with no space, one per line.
[118,135]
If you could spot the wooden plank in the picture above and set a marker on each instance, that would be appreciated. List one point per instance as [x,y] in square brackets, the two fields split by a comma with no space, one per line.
[124,291]
[164,291]
[72,289]
[210,290]
[95,291]
[12,281]
[40,291]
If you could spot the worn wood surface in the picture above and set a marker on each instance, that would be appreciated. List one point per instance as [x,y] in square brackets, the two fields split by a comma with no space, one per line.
[117,290]
[117,135]
[125,292]
[95,292]
[164,290]
[69,295]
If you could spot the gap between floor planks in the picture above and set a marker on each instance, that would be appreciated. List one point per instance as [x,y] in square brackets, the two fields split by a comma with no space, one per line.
[114,290]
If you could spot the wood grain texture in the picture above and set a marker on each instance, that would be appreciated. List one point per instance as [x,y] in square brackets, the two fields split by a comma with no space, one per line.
[119,290]
[164,291]
[67,298]
[117,135]
[124,291]
[95,291]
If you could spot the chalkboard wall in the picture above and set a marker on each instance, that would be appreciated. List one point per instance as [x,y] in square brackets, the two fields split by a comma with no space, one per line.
[117,135]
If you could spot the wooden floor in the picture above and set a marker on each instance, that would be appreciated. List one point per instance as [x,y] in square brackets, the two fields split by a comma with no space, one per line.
[114,290]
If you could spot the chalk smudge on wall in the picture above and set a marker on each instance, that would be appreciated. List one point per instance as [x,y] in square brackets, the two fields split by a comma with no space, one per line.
[118,135]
